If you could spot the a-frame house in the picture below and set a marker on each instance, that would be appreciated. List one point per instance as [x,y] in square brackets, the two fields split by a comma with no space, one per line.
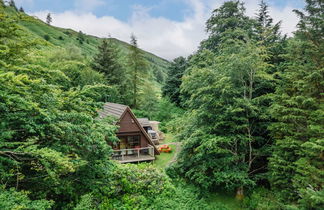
[135,144]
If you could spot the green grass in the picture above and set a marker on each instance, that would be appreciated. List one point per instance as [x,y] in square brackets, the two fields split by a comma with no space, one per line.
[225,199]
[163,159]
[169,137]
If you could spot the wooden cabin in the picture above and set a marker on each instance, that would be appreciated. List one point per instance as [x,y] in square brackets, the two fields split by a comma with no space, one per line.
[135,144]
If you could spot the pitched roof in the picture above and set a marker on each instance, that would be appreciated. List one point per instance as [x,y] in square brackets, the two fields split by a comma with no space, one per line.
[118,110]
[112,109]
[144,122]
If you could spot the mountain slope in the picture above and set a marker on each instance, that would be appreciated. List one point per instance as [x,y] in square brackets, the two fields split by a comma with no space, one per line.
[88,44]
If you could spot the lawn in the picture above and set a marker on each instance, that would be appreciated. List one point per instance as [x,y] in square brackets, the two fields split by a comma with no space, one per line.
[164,159]
[226,200]
[168,138]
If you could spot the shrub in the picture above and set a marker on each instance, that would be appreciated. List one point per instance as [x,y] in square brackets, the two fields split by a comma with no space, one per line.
[262,198]
[12,199]
[47,37]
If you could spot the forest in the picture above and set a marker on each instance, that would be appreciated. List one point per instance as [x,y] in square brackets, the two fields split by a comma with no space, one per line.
[246,107]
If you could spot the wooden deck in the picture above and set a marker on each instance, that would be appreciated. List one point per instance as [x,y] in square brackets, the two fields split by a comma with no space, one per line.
[134,155]
[133,159]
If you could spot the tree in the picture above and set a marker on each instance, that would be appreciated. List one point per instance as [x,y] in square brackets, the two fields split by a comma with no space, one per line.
[224,146]
[171,88]
[108,62]
[297,161]
[224,20]
[47,131]
[81,37]
[21,10]
[13,4]
[269,36]
[49,19]
[138,68]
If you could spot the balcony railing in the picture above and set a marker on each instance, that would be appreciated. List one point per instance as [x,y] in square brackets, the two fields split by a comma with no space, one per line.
[134,155]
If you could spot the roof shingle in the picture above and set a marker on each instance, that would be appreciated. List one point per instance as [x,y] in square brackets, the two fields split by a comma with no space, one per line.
[112,109]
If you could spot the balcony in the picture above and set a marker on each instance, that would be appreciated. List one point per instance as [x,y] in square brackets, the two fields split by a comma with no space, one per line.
[134,155]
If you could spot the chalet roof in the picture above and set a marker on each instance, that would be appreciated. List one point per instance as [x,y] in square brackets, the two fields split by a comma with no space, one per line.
[112,109]
[144,122]
[118,110]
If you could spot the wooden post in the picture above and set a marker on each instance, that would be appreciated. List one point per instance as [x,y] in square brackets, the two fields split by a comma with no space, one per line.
[138,153]
[122,155]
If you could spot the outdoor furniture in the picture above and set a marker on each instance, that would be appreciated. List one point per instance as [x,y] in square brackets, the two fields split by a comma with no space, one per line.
[165,148]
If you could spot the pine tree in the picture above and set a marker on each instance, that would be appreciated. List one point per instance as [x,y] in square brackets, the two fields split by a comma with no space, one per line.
[13,4]
[171,88]
[138,70]
[224,20]
[21,10]
[269,36]
[108,62]
[49,19]
[297,161]
[81,37]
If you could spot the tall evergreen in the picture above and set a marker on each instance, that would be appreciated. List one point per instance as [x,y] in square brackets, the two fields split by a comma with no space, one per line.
[138,70]
[108,62]
[224,20]
[172,84]
[49,19]
[268,35]
[13,4]
[297,160]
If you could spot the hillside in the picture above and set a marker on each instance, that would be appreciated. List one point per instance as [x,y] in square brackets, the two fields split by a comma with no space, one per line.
[66,37]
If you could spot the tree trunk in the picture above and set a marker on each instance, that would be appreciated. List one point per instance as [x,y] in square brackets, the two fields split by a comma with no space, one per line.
[239,194]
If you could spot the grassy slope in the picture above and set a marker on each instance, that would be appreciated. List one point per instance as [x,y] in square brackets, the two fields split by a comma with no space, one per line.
[163,160]
[60,37]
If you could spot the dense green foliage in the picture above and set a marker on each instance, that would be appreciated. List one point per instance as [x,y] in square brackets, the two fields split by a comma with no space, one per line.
[171,88]
[109,63]
[252,96]
[54,153]
[250,123]
[297,161]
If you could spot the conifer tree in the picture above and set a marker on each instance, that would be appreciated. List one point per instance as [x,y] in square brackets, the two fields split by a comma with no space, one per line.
[171,88]
[268,35]
[13,4]
[224,20]
[297,161]
[138,68]
[108,62]
[81,37]
[49,19]
[21,9]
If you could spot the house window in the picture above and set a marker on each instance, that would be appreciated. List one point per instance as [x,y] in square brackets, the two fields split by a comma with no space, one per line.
[133,141]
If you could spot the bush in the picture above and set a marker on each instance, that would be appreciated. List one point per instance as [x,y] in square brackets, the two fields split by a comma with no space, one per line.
[262,199]
[145,187]
[12,199]
[47,37]
[133,186]
[67,33]
[60,38]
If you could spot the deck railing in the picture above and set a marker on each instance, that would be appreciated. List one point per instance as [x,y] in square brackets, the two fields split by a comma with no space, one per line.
[134,154]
